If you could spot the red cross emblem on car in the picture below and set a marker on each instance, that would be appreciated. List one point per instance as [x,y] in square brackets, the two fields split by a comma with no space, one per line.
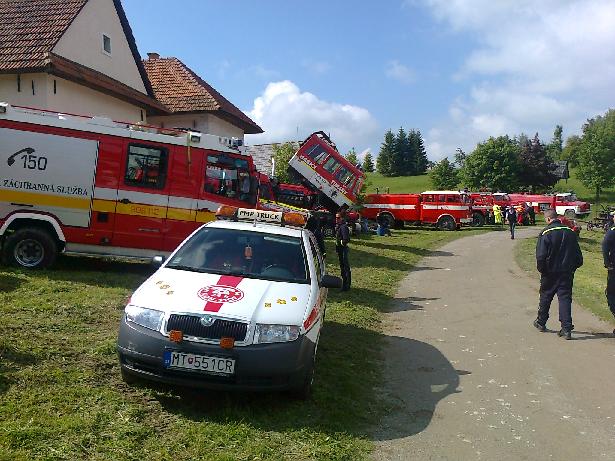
[220,294]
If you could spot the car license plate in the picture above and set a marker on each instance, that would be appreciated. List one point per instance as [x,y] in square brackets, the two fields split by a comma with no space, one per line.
[206,363]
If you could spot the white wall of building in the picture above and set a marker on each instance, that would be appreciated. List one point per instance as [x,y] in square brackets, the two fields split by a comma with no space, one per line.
[205,123]
[82,43]
[67,97]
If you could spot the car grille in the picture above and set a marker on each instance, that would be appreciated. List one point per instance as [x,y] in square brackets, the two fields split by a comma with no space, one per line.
[190,325]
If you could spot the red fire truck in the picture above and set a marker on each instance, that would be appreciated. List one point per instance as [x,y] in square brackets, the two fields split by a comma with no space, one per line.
[447,210]
[565,204]
[89,185]
[322,168]
[482,203]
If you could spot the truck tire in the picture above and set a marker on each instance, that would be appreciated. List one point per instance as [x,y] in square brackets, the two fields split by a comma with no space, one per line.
[570,214]
[446,223]
[478,219]
[30,248]
[390,220]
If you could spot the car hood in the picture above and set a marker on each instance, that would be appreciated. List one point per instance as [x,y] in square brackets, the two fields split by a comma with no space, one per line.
[229,297]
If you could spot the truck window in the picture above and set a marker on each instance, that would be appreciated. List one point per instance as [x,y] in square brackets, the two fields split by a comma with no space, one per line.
[331,165]
[428,198]
[146,166]
[452,198]
[441,198]
[227,176]
[344,176]
[317,153]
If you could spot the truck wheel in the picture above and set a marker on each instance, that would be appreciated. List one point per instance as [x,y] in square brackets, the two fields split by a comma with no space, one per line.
[446,223]
[30,248]
[478,219]
[570,214]
[390,220]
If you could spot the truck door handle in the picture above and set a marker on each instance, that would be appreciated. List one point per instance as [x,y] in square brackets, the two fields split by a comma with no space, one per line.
[203,210]
[145,229]
[125,201]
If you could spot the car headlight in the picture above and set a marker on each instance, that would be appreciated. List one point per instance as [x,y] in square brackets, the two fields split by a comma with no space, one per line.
[148,318]
[275,333]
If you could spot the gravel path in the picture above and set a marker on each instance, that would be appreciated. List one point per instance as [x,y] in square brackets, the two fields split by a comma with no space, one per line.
[467,377]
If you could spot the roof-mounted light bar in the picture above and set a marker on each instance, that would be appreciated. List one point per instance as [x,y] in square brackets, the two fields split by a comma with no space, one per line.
[294,219]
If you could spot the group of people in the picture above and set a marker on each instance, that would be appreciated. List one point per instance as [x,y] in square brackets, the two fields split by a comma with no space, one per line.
[522,213]
[558,256]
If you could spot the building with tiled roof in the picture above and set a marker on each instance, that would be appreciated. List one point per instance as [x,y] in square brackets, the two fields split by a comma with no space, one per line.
[76,56]
[192,102]
[263,153]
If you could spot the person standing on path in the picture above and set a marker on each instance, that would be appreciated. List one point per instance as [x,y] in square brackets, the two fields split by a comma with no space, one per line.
[558,255]
[342,237]
[497,214]
[608,254]
[511,216]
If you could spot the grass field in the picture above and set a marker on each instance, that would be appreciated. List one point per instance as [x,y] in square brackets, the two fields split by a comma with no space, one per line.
[589,280]
[61,396]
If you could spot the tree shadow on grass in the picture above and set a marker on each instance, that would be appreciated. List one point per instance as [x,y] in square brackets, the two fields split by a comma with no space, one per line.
[405,249]
[346,389]
[9,282]
[10,360]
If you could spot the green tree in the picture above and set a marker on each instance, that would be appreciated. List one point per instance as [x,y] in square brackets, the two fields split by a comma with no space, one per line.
[444,176]
[572,149]
[385,157]
[536,164]
[494,164]
[460,158]
[282,154]
[351,156]
[596,168]
[419,154]
[368,163]
[555,147]
[399,158]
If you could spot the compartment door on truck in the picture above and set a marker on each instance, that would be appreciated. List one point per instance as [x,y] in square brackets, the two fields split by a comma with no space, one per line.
[184,183]
[142,197]
[46,173]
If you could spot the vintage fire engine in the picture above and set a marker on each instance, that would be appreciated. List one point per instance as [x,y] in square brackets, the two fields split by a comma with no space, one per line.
[565,204]
[482,203]
[447,210]
[89,185]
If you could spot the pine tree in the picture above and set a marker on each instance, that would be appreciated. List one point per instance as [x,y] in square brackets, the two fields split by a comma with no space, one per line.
[537,167]
[556,146]
[385,157]
[351,156]
[421,154]
[368,163]
[400,146]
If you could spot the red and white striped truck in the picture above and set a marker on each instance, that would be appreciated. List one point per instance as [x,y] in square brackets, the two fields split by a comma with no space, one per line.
[447,210]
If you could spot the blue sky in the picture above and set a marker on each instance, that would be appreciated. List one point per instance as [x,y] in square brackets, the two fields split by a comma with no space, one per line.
[459,71]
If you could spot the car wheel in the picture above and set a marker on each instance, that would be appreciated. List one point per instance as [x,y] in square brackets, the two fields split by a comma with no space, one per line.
[478,219]
[446,223]
[30,248]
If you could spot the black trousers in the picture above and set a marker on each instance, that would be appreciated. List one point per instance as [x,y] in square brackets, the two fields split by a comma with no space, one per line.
[342,254]
[511,225]
[559,283]
[610,291]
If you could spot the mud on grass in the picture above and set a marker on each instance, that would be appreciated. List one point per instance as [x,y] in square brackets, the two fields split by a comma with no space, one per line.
[61,396]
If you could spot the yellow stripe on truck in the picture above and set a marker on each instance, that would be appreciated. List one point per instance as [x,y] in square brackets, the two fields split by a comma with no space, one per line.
[32,198]
[103,206]
[138,209]
[205,216]
[181,214]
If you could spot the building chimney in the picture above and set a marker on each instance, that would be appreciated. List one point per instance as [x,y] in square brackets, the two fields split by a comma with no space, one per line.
[153,55]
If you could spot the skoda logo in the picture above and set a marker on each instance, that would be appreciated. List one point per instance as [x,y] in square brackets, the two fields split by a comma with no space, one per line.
[207,320]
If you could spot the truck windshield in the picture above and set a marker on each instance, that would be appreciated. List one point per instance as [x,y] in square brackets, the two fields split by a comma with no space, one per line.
[243,253]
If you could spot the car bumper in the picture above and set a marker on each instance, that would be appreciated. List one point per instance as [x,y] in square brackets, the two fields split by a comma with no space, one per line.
[277,366]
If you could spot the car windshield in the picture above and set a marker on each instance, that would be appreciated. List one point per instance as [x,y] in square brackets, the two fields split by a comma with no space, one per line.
[243,253]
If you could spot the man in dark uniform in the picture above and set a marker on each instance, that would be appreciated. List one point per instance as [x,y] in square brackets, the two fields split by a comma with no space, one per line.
[314,224]
[608,254]
[342,237]
[558,255]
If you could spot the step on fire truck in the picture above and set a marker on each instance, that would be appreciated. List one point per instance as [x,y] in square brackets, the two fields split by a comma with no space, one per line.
[89,185]
[447,210]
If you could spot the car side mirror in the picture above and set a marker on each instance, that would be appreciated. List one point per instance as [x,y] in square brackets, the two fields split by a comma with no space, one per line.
[157,260]
[330,281]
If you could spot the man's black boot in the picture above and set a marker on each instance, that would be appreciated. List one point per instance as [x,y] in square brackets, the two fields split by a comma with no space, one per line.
[539,326]
[567,334]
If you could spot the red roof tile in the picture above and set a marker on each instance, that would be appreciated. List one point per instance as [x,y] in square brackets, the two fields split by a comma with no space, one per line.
[181,90]
[31,28]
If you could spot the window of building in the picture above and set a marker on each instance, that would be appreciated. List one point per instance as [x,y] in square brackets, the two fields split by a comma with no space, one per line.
[106,44]
[146,166]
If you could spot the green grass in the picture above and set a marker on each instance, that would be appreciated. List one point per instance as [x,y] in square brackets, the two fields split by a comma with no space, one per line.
[398,185]
[61,396]
[589,280]
[574,184]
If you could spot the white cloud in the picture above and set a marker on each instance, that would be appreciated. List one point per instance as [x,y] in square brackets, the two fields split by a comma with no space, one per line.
[537,64]
[397,71]
[287,113]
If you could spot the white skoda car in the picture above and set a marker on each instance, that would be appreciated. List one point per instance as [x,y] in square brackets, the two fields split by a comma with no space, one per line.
[238,305]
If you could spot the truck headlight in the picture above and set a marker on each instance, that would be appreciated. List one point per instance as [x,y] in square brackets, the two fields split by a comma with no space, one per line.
[275,333]
[147,318]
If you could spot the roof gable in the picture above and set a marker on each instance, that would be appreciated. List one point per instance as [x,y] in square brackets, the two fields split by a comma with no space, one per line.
[182,91]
